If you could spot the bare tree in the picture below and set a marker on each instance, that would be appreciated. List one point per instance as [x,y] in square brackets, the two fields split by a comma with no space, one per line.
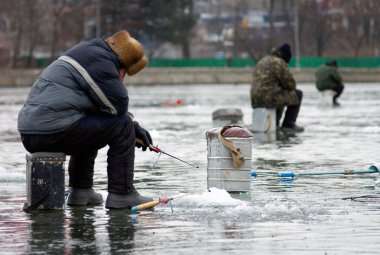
[271,22]
[16,18]
[58,10]
[338,28]
[171,21]
[260,40]
[362,26]
[316,27]
[31,23]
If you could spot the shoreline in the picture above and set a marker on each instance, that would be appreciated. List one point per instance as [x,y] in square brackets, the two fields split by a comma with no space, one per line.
[191,75]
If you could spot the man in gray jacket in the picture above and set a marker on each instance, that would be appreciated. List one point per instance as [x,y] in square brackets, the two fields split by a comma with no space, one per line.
[79,105]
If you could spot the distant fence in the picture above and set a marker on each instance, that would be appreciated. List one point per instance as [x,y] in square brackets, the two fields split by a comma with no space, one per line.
[202,62]
[195,75]
[215,71]
[313,62]
[305,62]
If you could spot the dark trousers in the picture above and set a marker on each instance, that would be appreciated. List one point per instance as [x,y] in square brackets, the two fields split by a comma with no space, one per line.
[82,142]
[339,90]
[291,113]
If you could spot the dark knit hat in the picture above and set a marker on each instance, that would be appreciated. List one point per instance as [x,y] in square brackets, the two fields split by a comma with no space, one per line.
[285,52]
[332,63]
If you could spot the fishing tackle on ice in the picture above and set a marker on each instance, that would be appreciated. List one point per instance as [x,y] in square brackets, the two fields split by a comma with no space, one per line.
[152,204]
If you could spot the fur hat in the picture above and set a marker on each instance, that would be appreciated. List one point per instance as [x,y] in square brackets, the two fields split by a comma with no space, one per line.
[129,51]
[285,52]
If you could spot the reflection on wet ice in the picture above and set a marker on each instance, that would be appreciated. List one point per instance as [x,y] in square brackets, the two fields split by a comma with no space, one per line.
[305,213]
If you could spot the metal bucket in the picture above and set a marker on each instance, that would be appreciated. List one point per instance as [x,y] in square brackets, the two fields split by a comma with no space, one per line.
[227,116]
[264,120]
[221,172]
[45,181]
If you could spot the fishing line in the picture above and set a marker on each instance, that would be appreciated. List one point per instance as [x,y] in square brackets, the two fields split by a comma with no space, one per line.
[361,198]
[158,150]
[158,158]
[154,203]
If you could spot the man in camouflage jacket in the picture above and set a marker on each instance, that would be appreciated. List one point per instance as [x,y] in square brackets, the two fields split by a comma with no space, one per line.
[273,86]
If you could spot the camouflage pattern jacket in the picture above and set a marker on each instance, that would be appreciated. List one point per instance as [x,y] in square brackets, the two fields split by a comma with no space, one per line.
[273,85]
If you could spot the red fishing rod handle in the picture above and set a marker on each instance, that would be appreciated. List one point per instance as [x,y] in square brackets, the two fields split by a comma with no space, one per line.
[154,148]
[151,147]
[164,200]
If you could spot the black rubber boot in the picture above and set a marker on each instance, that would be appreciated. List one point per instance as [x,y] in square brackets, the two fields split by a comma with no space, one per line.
[291,114]
[121,191]
[335,102]
[84,197]
[121,201]
[292,128]
[339,90]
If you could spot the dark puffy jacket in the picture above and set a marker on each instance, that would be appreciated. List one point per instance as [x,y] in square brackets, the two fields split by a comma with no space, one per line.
[273,85]
[327,77]
[61,95]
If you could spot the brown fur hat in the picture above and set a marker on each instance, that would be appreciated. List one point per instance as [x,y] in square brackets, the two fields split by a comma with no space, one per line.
[129,51]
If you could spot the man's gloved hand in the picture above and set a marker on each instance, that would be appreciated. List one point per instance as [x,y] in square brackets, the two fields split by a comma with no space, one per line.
[143,135]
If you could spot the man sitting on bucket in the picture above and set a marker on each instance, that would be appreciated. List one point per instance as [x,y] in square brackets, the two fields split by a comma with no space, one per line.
[273,86]
[79,105]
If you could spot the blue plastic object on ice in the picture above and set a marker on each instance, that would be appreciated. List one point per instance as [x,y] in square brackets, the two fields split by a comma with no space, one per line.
[375,167]
[286,174]
[135,209]
[254,174]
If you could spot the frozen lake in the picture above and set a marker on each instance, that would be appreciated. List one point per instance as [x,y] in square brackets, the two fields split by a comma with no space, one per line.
[307,215]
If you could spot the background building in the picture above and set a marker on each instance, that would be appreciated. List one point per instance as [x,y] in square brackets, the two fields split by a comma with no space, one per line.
[34,32]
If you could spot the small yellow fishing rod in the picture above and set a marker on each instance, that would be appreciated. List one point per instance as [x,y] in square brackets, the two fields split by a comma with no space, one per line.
[152,204]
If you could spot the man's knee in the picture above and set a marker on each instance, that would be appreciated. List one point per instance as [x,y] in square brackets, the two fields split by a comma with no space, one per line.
[125,123]
[339,88]
[126,120]
[122,133]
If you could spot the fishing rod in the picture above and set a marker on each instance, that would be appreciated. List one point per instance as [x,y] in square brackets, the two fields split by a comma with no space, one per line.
[158,150]
[152,204]
[372,169]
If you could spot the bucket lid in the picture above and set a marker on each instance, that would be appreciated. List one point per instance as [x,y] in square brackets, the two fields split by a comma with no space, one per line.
[229,131]
[227,113]
[46,156]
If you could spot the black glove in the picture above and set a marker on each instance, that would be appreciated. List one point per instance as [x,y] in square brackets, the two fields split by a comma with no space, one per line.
[143,135]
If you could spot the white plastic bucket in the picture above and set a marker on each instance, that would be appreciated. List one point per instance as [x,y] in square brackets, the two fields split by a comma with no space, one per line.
[264,120]
[326,97]
[221,172]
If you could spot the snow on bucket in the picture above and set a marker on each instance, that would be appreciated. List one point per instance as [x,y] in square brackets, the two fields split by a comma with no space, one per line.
[229,158]
[45,181]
